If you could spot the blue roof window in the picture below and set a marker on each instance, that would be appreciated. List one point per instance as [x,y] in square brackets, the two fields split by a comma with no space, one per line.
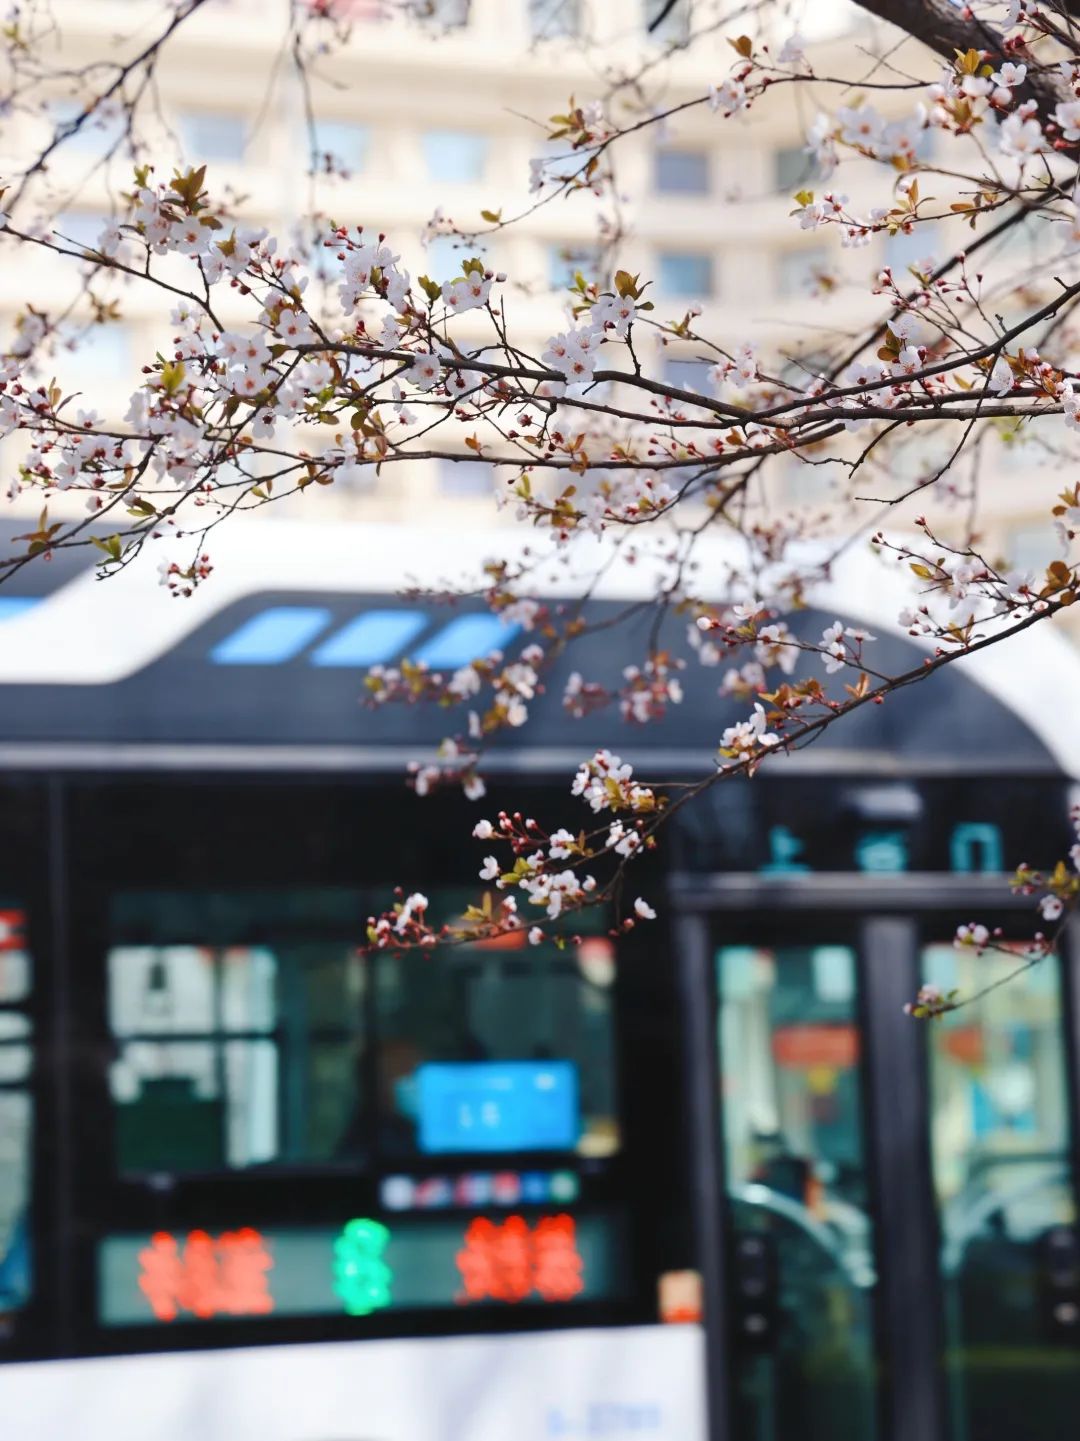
[370,639]
[273,636]
[466,639]
[12,606]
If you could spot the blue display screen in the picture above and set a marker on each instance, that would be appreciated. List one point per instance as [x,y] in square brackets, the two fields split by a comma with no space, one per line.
[498,1106]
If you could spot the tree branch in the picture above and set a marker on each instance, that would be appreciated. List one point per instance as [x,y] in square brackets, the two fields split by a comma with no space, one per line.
[945,28]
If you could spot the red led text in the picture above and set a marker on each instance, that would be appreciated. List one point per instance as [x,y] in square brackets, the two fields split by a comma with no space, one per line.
[206,1275]
[510,1261]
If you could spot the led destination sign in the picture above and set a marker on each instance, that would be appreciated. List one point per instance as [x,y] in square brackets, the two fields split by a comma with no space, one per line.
[364,1267]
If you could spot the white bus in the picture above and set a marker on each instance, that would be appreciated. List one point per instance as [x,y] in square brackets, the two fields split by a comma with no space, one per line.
[257,1185]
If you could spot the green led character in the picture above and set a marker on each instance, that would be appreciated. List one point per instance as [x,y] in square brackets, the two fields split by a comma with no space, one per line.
[361,1277]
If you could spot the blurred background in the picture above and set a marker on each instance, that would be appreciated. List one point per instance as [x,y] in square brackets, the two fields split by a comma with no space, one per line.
[250,1173]
[423,116]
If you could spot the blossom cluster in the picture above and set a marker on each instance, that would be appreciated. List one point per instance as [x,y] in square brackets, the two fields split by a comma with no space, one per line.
[606,782]
[574,353]
[539,871]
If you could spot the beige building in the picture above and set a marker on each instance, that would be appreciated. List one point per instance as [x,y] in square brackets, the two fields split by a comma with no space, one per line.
[448,112]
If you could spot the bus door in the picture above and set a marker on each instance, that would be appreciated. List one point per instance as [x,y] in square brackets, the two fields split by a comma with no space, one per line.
[801,1243]
[1001,1154]
[887,1208]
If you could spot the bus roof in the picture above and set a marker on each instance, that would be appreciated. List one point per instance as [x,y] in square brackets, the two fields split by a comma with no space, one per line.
[263,664]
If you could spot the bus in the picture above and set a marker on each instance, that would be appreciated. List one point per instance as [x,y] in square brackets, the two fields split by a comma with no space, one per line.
[699,1182]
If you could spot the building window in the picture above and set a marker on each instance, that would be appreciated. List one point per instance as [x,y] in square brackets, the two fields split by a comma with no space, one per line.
[357,479]
[458,157]
[341,146]
[682,172]
[450,14]
[794,167]
[209,136]
[561,162]
[669,23]
[466,479]
[89,357]
[688,374]
[803,367]
[97,135]
[685,274]
[797,271]
[446,254]
[1030,241]
[1033,547]
[443,257]
[566,261]
[806,484]
[554,19]
[1021,449]
[903,251]
[79,229]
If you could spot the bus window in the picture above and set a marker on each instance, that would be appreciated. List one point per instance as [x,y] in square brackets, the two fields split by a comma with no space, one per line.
[496,1049]
[1001,1157]
[16,1113]
[238,1033]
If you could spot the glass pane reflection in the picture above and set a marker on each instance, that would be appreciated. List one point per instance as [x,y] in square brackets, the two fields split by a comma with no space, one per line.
[497,1002]
[237,1054]
[803,1256]
[16,1121]
[1000,1145]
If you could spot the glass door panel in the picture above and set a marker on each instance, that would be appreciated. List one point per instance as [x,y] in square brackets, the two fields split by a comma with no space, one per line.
[1000,1137]
[802,1254]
